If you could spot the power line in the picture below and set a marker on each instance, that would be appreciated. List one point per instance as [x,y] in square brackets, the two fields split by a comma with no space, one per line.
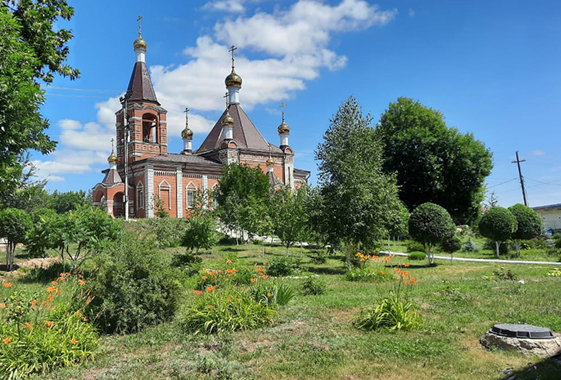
[502,183]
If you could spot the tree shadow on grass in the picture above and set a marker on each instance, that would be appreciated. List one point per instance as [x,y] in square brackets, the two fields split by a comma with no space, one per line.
[543,369]
[326,270]
[230,249]
[4,268]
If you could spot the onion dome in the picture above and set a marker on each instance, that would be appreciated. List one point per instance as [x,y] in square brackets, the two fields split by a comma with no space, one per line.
[233,79]
[112,159]
[270,161]
[139,43]
[227,120]
[283,128]
[187,133]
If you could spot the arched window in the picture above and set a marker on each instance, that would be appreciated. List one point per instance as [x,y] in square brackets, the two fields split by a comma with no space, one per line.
[190,192]
[164,193]
[214,201]
[149,128]
[140,195]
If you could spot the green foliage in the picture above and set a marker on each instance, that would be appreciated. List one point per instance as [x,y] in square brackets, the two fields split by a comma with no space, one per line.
[43,331]
[68,201]
[431,224]
[433,163]
[313,286]
[391,313]
[414,246]
[529,224]
[356,199]
[417,256]
[225,310]
[159,208]
[503,274]
[243,198]
[451,244]
[272,294]
[188,262]
[14,226]
[555,272]
[288,214]
[497,224]
[168,232]
[31,48]
[283,266]
[200,233]
[133,287]
[40,237]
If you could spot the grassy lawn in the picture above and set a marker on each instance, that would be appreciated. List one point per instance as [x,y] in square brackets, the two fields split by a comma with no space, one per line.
[314,337]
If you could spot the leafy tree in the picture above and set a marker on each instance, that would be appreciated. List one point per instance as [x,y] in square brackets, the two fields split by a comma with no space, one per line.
[497,224]
[433,163]
[85,230]
[397,223]
[529,224]
[356,196]
[26,194]
[67,201]
[40,237]
[288,215]
[243,197]
[430,224]
[14,226]
[32,49]
[200,233]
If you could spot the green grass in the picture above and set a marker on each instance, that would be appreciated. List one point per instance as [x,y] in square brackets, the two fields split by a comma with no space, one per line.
[314,337]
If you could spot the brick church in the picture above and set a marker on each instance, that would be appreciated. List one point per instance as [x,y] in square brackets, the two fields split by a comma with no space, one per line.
[156,177]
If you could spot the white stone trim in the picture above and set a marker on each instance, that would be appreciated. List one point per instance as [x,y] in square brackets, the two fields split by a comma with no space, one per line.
[179,191]
[149,200]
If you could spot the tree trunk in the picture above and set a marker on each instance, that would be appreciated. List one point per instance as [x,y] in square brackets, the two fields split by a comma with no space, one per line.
[301,250]
[287,245]
[389,240]
[517,247]
[349,249]
[497,244]
[263,246]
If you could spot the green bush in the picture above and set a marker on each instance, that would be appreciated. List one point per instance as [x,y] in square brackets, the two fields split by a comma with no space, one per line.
[318,257]
[451,244]
[417,256]
[168,231]
[188,262]
[391,313]
[414,246]
[200,233]
[272,294]
[283,266]
[470,246]
[225,310]
[498,224]
[313,286]
[555,272]
[133,288]
[504,248]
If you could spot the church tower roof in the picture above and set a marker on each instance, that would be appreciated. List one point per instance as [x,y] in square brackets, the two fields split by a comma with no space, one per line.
[140,85]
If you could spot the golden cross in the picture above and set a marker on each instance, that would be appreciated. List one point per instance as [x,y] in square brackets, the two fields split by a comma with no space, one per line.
[226,97]
[232,50]
[139,26]
[282,105]
[186,116]
[112,139]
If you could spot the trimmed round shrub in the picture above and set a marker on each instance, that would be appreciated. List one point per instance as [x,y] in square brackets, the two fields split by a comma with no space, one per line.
[414,246]
[498,224]
[417,256]
[430,224]
[452,244]
[529,222]
[134,287]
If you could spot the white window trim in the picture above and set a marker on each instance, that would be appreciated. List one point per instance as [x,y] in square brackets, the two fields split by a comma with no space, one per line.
[191,188]
[165,186]
[140,195]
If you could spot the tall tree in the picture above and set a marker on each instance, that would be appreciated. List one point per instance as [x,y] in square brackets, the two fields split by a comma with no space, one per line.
[433,163]
[32,49]
[357,196]
[288,215]
[14,226]
[62,202]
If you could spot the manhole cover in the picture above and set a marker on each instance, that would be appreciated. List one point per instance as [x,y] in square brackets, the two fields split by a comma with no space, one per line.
[522,331]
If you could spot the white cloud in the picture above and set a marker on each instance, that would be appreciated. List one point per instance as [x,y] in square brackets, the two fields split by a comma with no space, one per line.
[538,152]
[69,161]
[232,6]
[411,12]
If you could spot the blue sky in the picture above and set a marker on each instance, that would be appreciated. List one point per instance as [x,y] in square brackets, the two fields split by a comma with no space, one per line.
[491,67]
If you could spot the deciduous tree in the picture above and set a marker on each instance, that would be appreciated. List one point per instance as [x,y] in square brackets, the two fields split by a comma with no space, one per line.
[529,224]
[14,226]
[432,162]
[498,224]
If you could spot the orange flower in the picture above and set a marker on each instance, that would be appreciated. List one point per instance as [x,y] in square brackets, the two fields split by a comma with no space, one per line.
[407,282]
[49,323]
[7,285]
[413,280]
[85,319]
[358,254]
[253,279]
[387,258]
[229,274]
[264,263]
[54,282]
[374,257]
[228,299]
[51,297]
[228,261]
[28,325]
[269,294]
[78,313]
[73,341]
[81,282]
[7,340]
[45,303]
[396,269]
[220,271]
[243,287]
[382,273]
[210,307]
[51,289]
[198,292]
[58,291]
[406,265]
[204,278]
[264,277]
[405,274]
[210,289]
[33,303]
[2,305]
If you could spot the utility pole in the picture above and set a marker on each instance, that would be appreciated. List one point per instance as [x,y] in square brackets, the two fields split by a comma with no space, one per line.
[518,161]
[126,130]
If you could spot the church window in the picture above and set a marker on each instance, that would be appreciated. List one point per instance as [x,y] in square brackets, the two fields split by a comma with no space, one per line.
[164,193]
[213,196]
[149,128]
[190,192]
[140,195]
